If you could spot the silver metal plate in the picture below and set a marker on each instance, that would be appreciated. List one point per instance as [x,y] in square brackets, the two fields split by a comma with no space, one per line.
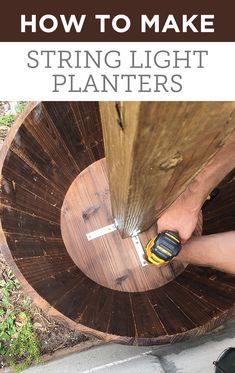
[139,249]
[101,232]
[113,227]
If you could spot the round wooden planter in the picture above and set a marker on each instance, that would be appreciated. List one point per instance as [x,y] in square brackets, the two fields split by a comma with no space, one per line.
[44,162]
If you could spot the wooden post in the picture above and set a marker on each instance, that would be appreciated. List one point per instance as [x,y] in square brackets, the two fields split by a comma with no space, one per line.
[154,150]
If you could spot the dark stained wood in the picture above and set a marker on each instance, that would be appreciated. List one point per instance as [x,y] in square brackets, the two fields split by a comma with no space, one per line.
[108,260]
[35,179]
[32,246]
[103,305]
[54,284]
[144,313]
[15,197]
[166,308]
[154,150]
[38,269]
[219,216]
[225,278]
[221,295]
[122,310]
[188,303]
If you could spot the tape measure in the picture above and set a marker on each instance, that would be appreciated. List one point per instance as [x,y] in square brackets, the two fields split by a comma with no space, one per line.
[163,248]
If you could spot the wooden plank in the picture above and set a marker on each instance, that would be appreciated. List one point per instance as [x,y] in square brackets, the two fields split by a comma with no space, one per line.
[31,246]
[147,322]
[172,317]
[44,153]
[21,199]
[214,275]
[154,150]
[74,301]
[84,138]
[53,286]
[99,311]
[219,215]
[217,294]
[15,221]
[36,269]
[193,307]
[121,321]
[31,181]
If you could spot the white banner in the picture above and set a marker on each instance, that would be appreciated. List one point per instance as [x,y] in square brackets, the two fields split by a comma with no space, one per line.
[117,71]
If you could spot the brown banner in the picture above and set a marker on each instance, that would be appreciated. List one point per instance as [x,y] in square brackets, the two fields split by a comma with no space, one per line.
[175,30]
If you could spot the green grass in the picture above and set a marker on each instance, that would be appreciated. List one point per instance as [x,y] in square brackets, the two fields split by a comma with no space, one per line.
[18,343]
[20,107]
[8,119]
[24,349]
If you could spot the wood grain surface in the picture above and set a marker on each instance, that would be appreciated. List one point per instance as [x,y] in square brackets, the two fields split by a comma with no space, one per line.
[48,146]
[154,150]
[108,260]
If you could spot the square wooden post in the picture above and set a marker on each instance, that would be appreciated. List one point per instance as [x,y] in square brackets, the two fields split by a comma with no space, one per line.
[153,151]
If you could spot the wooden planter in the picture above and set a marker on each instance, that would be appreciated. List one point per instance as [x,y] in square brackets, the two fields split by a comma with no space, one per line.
[48,147]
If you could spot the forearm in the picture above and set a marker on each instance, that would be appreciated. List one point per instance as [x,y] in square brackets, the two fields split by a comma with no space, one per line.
[216,250]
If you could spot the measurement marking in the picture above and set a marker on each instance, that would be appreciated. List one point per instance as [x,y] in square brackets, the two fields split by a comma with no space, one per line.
[101,232]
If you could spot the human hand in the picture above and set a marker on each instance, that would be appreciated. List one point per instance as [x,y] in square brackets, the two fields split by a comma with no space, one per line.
[182,217]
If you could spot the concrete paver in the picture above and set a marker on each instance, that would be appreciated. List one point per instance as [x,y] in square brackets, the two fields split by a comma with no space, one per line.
[193,356]
[105,358]
[197,355]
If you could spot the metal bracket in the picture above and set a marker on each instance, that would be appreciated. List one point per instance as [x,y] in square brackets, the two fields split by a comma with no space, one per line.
[113,227]
[139,249]
[101,232]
